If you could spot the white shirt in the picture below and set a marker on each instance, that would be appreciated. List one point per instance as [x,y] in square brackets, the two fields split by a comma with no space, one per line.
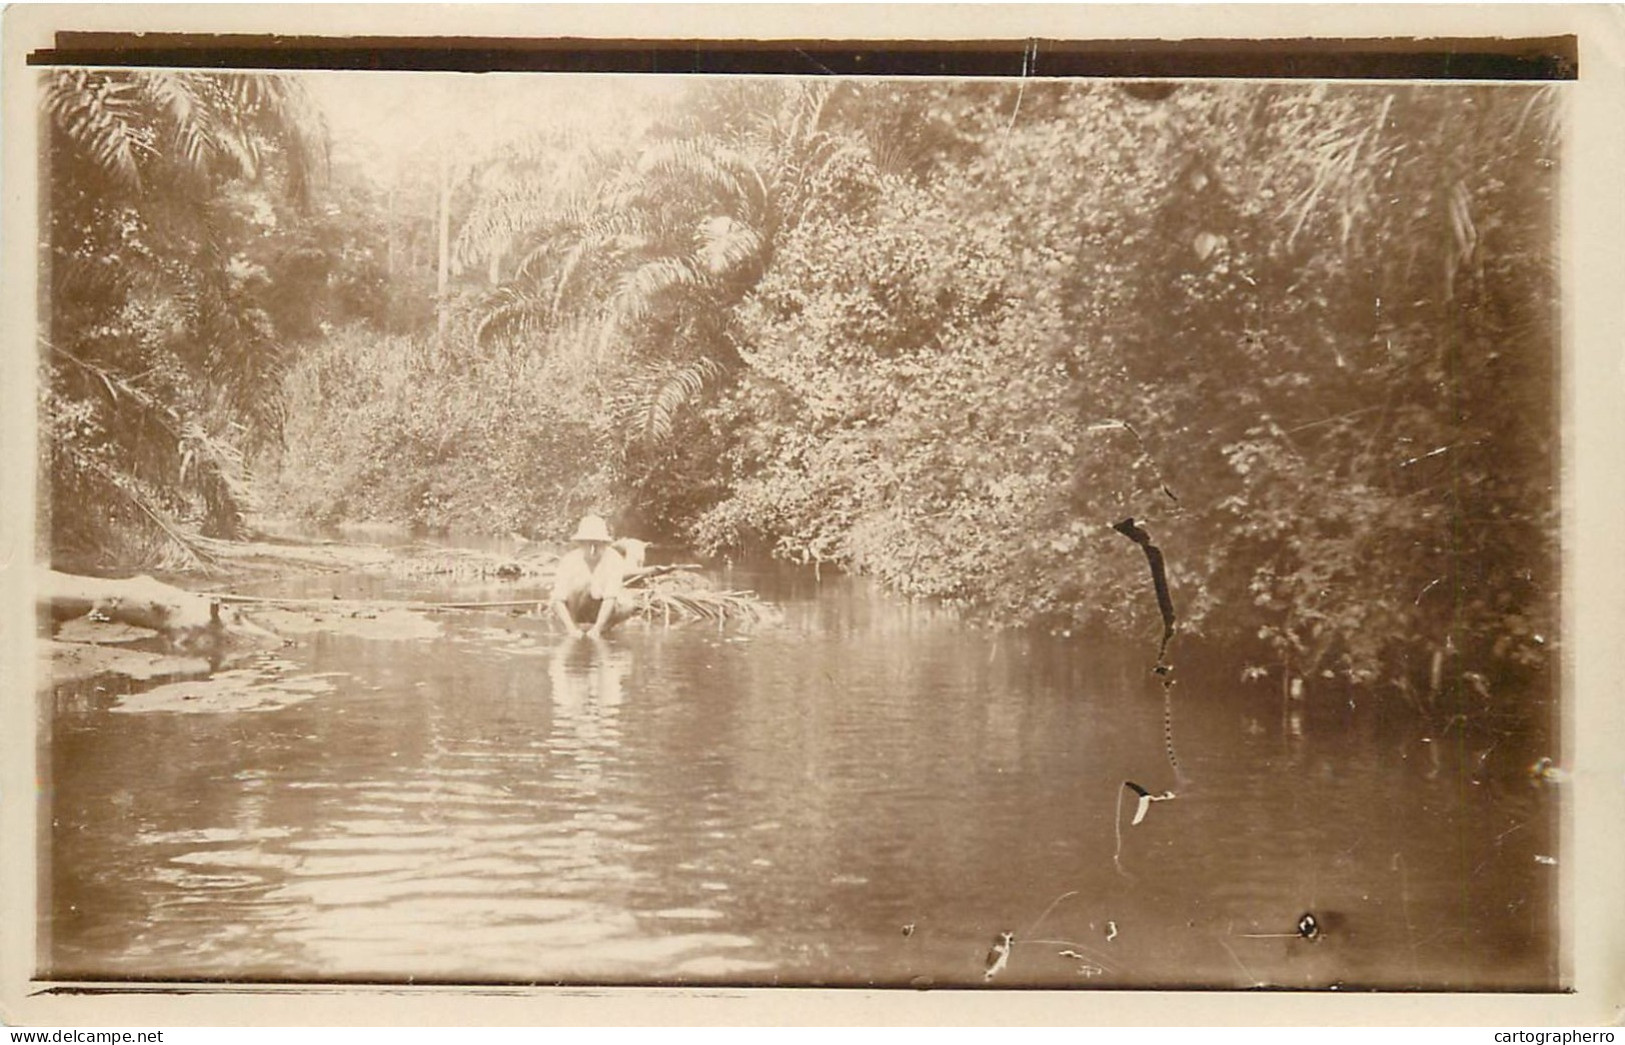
[575,578]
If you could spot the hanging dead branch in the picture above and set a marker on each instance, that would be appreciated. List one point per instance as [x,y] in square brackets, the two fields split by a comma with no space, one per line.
[1159,580]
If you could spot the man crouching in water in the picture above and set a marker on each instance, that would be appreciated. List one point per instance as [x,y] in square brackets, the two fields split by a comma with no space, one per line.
[589,581]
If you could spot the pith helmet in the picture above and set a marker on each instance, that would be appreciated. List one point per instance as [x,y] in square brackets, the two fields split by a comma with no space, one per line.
[592,528]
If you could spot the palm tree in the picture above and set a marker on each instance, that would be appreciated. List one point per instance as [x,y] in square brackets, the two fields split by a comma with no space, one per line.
[156,363]
[649,264]
[157,131]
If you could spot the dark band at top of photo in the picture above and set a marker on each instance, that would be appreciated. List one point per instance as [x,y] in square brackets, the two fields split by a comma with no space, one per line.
[1548,58]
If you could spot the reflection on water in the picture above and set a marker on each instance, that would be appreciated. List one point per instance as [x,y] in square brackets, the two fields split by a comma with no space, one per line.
[871,794]
[587,676]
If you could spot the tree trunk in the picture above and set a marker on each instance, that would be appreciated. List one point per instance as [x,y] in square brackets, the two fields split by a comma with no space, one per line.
[443,269]
[389,236]
[185,619]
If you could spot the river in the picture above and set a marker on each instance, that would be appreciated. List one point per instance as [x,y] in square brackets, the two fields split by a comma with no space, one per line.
[872,793]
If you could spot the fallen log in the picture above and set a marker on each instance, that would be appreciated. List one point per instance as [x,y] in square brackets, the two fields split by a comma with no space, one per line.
[338,605]
[186,620]
[634,579]
[354,606]
[651,600]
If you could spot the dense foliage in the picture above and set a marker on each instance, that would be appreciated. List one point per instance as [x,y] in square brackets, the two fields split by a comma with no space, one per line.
[390,427]
[947,334]
[1314,356]
[178,270]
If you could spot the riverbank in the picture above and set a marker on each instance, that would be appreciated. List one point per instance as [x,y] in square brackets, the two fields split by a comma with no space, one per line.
[98,652]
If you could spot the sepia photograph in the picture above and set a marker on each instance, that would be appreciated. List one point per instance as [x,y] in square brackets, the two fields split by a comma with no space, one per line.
[913,531]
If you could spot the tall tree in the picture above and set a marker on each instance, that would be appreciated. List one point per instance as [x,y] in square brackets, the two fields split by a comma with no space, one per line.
[656,256]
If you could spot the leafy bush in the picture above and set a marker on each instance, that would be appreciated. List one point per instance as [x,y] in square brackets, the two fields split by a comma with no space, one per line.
[390,428]
[1264,319]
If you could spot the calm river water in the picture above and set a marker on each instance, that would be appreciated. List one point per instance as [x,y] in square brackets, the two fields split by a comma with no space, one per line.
[870,794]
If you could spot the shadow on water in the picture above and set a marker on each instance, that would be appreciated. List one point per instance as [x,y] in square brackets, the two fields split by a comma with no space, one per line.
[872,793]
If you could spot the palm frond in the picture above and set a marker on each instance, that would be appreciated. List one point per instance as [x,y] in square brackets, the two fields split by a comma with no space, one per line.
[214,468]
[502,214]
[1545,107]
[725,244]
[725,172]
[565,275]
[100,115]
[639,290]
[604,237]
[181,103]
[513,311]
[539,186]
[194,125]
[278,110]
[653,394]
[179,546]
[672,599]
[802,114]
